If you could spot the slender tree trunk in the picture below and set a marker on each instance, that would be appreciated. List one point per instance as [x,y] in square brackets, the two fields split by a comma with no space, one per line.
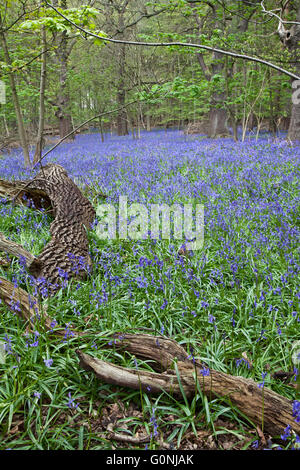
[6,126]
[101,130]
[63,52]
[122,124]
[234,129]
[218,114]
[294,127]
[19,116]
[39,141]
[291,39]
[148,122]
[63,114]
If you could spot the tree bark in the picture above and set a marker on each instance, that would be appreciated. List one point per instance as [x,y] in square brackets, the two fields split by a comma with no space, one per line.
[122,124]
[63,112]
[265,408]
[19,116]
[294,127]
[15,249]
[67,253]
[39,140]
[217,116]
[291,39]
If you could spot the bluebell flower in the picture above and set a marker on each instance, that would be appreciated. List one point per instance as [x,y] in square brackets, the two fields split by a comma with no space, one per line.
[262,384]
[296,410]
[287,433]
[71,403]
[255,444]
[153,422]
[205,371]
[48,362]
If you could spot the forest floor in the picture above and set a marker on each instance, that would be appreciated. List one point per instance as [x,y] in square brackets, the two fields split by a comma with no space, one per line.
[233,304]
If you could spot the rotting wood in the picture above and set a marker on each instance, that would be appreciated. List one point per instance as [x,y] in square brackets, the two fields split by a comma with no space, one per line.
[16,190]
[261,405]
[21,302]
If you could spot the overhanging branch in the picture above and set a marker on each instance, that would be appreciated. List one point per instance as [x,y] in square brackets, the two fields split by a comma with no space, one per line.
[181,44]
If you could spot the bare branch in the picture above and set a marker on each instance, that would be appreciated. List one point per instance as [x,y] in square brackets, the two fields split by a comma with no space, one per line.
[181,44]
[272,13]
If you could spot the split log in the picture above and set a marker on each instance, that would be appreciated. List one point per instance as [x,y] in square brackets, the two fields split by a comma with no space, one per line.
[67,253]
[263,406]
[20,192]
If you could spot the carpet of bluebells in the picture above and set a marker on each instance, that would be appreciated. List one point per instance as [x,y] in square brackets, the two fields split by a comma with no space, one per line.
[234,304]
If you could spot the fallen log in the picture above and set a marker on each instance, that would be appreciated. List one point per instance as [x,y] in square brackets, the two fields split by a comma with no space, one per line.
[262,406]
[67,253]
[19,192]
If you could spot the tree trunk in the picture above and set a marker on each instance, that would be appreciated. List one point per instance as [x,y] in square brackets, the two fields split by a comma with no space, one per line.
[39,140]
[20,122]
[122,124]
[101,130]
[291,39]
[294,127]
[235,129]
[63,113]
[217,126]
[148,122]
[218,114]
[15,249]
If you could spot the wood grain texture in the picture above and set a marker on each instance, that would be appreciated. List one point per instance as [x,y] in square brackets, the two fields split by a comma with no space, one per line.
[67,253]
[261,405]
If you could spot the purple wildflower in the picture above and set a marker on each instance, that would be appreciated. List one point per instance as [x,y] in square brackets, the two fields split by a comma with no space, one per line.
[287,433]
[262,384]
[71,403]
[48,362]
[296,410]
